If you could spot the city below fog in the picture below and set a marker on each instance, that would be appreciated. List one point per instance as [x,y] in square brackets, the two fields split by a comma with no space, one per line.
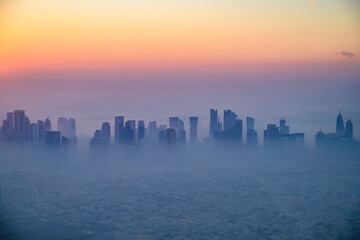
[137,180]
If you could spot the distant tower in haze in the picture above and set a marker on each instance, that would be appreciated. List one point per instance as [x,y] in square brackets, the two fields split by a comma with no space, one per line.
[153,132]
[193,129]
[349,129]
[19,122]
[105,134]
[170,136]
[214,122]
[141,131]
[47,125]
[340,128]
[229,119]
[251,134]
[283,128]
[129,131]
[174,122]
[52,138]
[119,125]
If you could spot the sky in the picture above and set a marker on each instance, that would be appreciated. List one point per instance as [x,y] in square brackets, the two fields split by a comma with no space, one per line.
[151,59]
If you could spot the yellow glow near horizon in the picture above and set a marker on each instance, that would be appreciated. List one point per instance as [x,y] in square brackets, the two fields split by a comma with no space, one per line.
[43,34]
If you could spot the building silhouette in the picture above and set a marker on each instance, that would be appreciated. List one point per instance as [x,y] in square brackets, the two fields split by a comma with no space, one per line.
[47,125]
[153,133]
[340,128]
[283,128]
[52,138]
[170,137]
[251,134]
[118,128]
[193,128]
[141,131]
[349,129]
[105,134]
[214,123]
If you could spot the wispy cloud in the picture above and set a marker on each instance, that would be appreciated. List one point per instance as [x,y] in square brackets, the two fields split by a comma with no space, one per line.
[345,54]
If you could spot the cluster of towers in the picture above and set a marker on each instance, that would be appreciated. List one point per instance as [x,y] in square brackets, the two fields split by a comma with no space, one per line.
[18,128]
[126,133]
[344,136]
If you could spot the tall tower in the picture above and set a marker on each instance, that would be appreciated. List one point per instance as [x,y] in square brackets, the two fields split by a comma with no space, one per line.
[19,122]
[174,123]
[193,129]
[213,122]
[141,131]
[340,128]
[119,125]
[283,128]
[349,129]
[105,134]
[229,119]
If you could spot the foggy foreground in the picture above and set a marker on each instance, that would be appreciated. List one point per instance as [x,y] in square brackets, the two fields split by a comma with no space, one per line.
[181,193]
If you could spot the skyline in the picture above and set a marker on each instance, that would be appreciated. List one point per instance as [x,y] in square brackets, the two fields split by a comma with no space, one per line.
[227,128]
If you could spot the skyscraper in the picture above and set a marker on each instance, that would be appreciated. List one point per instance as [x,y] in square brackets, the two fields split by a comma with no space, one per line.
[141,131]
[251,134]
[153,132]
[193,128]
[52,138]
[47,125]
[214,122]
[271,135]
[170,136]
[67,127]
[34,133]
[129,131]
[250,123]
[340,128]
[41,129]
[174,122]
[10,120]
[19,122]
[119,125]
[349,129]
[229,119]
[105,134]
[180,132]
[283,128]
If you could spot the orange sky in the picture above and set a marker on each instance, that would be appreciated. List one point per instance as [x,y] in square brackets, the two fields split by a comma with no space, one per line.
[42,35]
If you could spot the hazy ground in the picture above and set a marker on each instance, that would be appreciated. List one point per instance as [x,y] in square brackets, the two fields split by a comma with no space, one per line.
[191,198]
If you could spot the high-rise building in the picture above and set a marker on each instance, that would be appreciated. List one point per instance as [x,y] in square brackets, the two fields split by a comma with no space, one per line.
[47,125]
[193,128]
[340,128]
[349,129]
[251,134]
[283,128]
[229,119]
[119,125]
[10,120]
[105,134]
[174,122]
[170,136]
[67,127]
[214,122]
[41,129]
[250,123]
[271,135]
[34,133]
[52,138]
[129,131]
[19,122]
[95,145]
[141,131]
[162,130]
[153,132]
